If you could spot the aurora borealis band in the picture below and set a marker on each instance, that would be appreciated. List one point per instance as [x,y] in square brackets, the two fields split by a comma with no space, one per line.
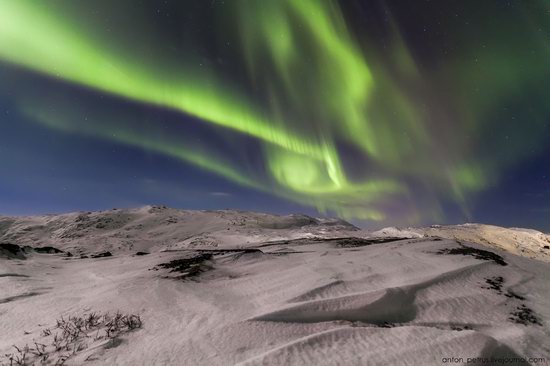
[377,111]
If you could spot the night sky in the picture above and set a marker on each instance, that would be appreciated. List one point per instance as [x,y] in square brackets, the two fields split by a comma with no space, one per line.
[380,112]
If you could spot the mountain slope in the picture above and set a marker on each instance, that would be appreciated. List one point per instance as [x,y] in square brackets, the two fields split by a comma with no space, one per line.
[154,228]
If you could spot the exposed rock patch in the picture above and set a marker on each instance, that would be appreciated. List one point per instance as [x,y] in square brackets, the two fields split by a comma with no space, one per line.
[102,255]
[11,251]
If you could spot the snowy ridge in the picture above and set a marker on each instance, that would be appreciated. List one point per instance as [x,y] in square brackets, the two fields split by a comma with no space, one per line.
[155,228]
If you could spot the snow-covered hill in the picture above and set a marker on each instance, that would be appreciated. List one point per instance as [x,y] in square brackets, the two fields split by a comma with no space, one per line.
[525,242]
[229,287]
[154,228]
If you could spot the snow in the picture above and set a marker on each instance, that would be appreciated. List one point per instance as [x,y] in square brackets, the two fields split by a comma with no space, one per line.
[397,232]
[525,242]
[158,228]
[295,300]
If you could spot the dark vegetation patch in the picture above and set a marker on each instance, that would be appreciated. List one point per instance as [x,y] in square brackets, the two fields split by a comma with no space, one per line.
[187,267]
[524,315]
[476,253]
[237,251]
[101,255]
[220,251]
[360,242]
[546,247]
[71,336]
[513,295]
[495,283]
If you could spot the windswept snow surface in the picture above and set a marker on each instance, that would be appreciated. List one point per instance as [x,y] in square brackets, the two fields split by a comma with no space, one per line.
[255,289]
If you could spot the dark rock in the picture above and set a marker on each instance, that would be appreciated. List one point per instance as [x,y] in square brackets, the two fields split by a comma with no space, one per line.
[27,249]
[48,250]
[460,328]
[102,255]
[11,251]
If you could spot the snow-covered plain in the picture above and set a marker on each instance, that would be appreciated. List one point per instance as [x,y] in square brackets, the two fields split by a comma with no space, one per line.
[257,289]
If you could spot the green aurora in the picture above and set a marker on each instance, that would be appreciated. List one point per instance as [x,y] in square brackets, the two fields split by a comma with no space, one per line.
[309,85]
